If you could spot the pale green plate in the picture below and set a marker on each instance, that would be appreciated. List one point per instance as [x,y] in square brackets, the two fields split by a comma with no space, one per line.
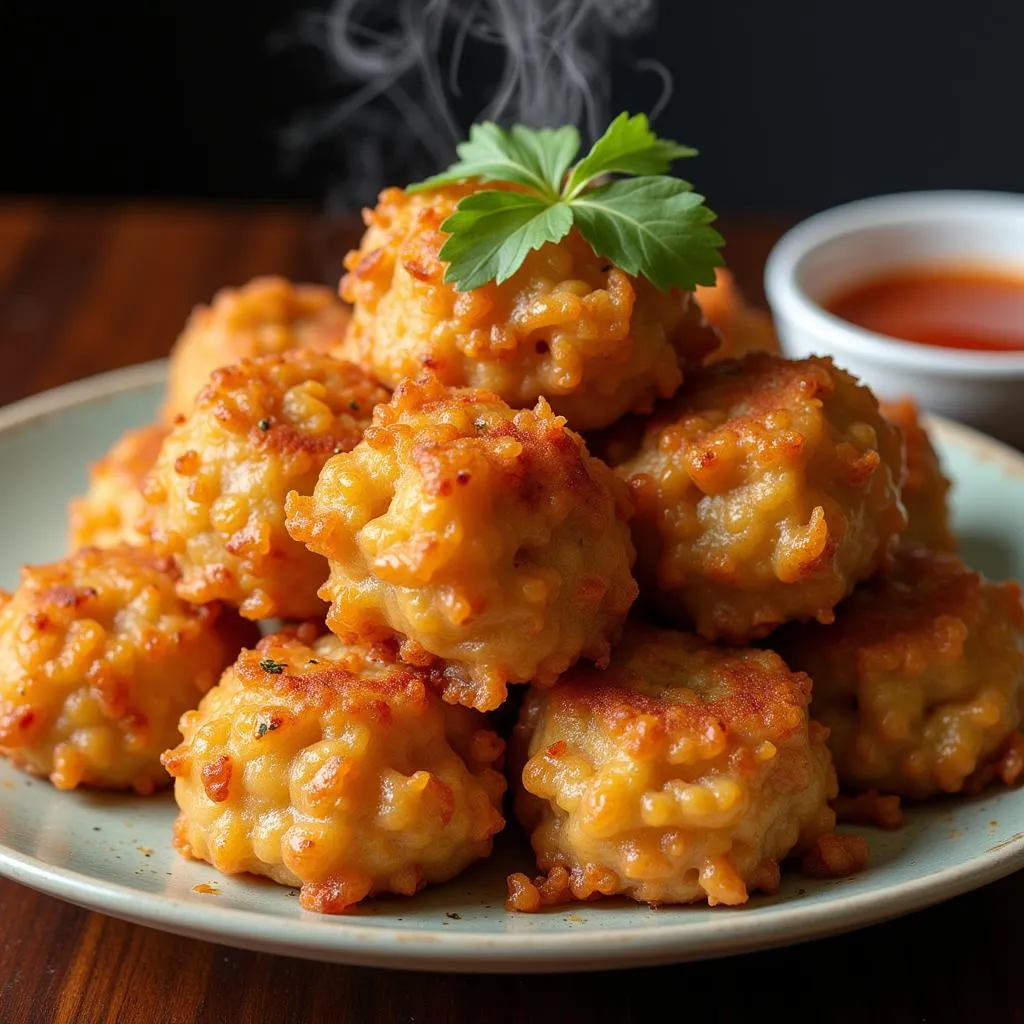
[113,854]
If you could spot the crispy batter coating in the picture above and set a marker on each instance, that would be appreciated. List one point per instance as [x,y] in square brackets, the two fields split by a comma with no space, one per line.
[568,325]
[335,769]
[108,513]
[743,328]
[215,498]
[98,660]
[682,772]
[483,536]
[924,487]
[764,493]
[267,316]
[920,678]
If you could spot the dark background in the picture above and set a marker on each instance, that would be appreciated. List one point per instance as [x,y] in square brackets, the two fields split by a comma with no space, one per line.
[795,105]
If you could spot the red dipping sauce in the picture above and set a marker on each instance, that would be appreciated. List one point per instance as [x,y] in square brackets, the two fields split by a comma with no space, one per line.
[973,308]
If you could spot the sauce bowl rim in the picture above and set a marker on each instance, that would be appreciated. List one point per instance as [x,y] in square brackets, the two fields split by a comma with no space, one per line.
[797,247]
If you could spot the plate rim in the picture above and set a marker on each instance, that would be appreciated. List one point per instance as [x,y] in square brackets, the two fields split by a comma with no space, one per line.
[79,392]
[356,942]
[725,932]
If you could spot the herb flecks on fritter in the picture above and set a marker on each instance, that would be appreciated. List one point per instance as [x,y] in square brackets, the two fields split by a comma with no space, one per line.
[337,770]
[215,497]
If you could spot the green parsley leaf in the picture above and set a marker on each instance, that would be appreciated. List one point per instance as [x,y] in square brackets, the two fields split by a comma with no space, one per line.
[490,234]
[552,150]
[627,147]
[536,159]
[649,224]
[275,668]
[655,227]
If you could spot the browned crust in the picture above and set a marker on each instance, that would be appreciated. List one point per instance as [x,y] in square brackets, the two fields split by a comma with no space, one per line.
[267,315]
[569,325]
[246,397]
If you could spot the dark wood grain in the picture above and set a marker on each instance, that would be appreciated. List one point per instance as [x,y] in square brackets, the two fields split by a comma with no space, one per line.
[88,289]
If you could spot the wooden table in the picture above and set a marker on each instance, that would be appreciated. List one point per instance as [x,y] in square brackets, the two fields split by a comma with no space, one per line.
[88,289]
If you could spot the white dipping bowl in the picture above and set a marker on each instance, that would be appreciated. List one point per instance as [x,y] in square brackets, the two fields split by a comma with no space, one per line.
[851,244]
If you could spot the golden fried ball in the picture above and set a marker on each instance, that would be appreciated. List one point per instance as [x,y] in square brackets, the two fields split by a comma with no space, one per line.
[109,512]
[920,678]
[764,493]
[568,325]
[483,536]
[334,769]
[216,494]
[98,660]
[682,772]
[925,487]
[743,328]
[267,316]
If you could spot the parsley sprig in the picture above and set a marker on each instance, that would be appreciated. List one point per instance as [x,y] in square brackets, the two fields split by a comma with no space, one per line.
[647,223]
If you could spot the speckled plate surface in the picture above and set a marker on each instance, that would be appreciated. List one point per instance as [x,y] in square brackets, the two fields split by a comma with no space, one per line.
[113,853]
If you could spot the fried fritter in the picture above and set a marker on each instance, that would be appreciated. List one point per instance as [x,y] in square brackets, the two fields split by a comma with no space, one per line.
[267,316]
[920,678]
[743,328]
[925,488]
[98,660]
[682,772]
[109,512]
[215,498]
[334,769]
[472,533]
[764,493]
[568,325]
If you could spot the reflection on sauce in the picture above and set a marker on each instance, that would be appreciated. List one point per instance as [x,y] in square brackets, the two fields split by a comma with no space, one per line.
[972,308]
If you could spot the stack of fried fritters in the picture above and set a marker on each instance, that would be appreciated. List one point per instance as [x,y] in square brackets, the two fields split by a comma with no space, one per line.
[691,556]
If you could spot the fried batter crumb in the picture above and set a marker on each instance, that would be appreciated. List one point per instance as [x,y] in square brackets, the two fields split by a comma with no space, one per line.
[881,810]
[1007,767]
[528,895]
[835,855]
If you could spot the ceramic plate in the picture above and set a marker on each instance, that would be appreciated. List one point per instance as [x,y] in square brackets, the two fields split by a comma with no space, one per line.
[113,853]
